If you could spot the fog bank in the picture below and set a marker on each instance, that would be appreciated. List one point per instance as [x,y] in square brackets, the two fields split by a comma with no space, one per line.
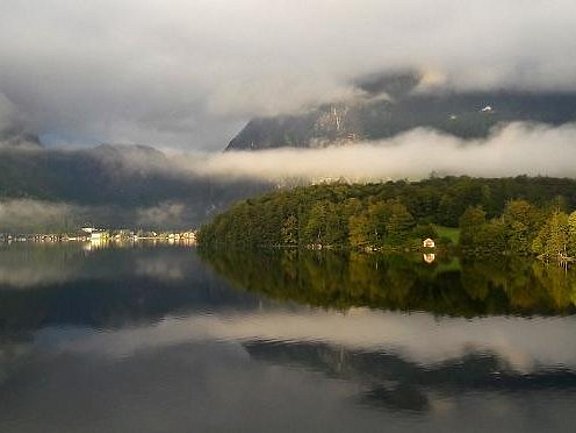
[514,149]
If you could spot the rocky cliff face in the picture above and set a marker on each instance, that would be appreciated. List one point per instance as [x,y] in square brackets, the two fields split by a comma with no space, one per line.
[326,125]
[466,115]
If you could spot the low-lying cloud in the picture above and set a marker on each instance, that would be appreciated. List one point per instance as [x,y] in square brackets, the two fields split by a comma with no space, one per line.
[41,216]
[29,215]
[13,130]
[514,149]
[166,214]
[183,190]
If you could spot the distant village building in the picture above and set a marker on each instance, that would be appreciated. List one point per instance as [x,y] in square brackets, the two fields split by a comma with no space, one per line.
[487,109]
[95,234]
[428,243]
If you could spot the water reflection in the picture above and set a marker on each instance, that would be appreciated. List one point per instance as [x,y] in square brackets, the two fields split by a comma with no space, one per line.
[429,258]
[37,265]
[150,339]
[393,382]
[403,283]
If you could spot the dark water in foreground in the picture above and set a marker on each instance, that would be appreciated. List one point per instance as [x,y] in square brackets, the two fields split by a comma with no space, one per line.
[153,339]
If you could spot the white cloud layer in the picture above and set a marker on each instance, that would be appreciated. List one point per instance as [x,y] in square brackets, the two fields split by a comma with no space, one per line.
[515,149]
[27,214]
[163,215]
[187,74]
[419,337]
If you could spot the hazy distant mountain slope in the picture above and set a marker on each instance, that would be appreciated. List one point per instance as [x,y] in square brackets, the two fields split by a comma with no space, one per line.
[467,115]
[13,137]
[123,178]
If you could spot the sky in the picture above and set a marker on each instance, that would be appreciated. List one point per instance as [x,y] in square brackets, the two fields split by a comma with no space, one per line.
[189,74]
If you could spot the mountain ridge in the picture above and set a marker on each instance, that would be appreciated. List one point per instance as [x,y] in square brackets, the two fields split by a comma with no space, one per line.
[466,115]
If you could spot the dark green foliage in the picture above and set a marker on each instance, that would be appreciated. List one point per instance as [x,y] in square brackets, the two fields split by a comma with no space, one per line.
[504,215]
[522,229]
[296,218]
[472,223]
[521,221]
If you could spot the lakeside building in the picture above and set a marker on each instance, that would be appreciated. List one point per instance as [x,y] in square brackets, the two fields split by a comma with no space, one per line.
[428,243]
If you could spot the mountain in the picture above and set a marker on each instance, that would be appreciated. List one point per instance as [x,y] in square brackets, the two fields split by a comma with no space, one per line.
[116,185]
[386,111]
[15,137]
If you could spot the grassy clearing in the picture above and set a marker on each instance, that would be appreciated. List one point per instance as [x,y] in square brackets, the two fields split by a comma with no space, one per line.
[449,232]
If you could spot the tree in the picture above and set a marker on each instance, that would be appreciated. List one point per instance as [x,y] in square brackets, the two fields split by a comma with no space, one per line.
[553,238]
[399,225]
[290,231]
[557,245]
[360,232]
[520,219]
[572,234]
[315,229]
[472,222]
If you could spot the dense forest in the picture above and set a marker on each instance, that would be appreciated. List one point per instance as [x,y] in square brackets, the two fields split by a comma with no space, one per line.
[520,215]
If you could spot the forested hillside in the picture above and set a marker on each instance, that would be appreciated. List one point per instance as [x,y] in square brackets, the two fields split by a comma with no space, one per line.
[495,215]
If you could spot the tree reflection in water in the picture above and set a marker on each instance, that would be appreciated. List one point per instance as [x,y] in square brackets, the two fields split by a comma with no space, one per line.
[154,326]
[445,286]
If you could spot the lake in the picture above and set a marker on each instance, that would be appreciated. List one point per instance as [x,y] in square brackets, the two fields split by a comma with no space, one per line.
[158,338]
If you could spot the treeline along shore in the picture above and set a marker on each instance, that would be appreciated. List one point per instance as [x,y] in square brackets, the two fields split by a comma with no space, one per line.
[479,216]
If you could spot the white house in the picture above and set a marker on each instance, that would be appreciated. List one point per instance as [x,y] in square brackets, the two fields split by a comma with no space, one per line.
[428,243]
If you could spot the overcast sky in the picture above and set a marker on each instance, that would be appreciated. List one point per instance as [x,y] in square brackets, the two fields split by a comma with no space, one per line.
[189,74]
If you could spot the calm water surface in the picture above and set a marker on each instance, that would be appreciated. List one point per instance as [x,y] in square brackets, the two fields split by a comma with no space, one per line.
[157,339]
